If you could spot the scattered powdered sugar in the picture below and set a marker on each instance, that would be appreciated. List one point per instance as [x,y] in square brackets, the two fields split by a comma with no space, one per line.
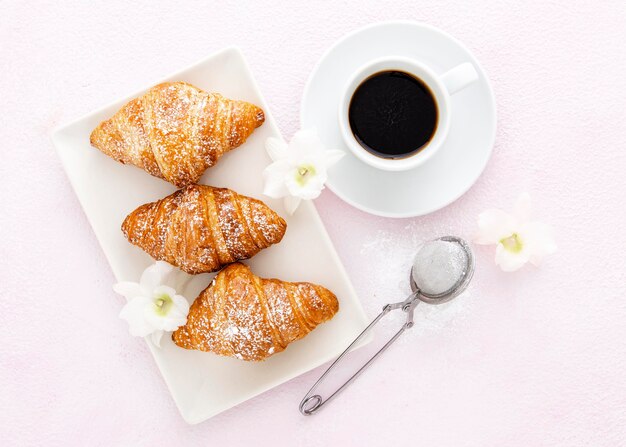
[231,330]
[438,266]
[385,278]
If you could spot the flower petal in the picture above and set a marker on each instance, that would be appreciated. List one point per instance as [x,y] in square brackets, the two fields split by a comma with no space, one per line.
[539,239]
[310,189]
[134,313]
[510,261]
[163,290]
[493,226]
[177,315]
[305,138]
[304,144]
[153,276]
[170,316]
[274,179]
[522,208]
[291,204]
[178,280]
[155,338]
[128,289]
[332,157]
[171,322]
[276,148]
[181,304]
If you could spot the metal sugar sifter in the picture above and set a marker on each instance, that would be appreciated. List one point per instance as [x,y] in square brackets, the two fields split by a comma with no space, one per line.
[441,270]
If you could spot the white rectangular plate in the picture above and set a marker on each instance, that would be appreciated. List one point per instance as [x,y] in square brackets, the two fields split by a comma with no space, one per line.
[203,384]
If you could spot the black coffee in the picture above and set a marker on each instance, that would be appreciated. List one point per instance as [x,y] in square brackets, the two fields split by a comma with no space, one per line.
[392,114]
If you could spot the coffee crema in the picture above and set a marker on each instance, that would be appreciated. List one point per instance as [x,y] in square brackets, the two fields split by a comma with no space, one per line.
[393,114]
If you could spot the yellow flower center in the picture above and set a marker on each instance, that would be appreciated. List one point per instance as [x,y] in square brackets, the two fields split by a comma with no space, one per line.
[162,304]
[304,174]
[512,243]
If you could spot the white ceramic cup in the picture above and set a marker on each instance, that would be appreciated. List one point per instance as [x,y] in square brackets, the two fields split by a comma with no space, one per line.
[441,86]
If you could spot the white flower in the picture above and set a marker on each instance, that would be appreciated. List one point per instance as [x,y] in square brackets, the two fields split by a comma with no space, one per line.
[299,169]
[518,239]
[153,306]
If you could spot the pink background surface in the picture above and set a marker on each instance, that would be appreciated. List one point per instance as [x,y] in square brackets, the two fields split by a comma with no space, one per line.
[531,358]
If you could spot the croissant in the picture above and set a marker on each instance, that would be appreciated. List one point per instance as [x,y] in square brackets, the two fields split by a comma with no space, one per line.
[176,131]
[200,228]
[241,315]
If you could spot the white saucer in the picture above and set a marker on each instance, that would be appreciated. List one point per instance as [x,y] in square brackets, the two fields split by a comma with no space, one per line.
[450,172]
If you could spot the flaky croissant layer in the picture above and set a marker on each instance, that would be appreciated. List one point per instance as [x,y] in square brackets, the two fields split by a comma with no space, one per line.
[201,228]
[251,318]
[176,131]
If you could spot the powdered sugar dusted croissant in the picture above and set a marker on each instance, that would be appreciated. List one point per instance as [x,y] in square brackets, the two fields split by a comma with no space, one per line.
[176,131]
[200,228]
[251,318]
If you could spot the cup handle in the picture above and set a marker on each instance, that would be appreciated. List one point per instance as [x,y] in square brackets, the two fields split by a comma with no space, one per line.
[459,77]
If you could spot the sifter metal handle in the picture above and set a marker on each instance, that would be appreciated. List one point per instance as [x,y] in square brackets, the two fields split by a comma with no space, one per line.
[313,402]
